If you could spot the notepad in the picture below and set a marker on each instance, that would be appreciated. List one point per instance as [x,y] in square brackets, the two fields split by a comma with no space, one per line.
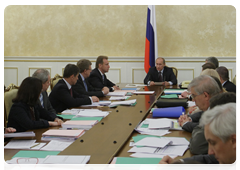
[80,124]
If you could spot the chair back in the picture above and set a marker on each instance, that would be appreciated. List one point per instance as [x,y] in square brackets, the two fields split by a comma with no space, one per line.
[54,80]
[175,71]
[235,80]
[9,94]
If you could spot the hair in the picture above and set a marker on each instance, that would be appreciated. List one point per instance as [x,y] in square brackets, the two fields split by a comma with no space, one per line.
[162,59]
[223,72]
[222,98]
[83,65]
[210,72]
[69,70]
[213,60]
[100,60]
[41,74]
[189,165]
[204,83]
[221,120]
[219,84]
[29,91]
[208,65]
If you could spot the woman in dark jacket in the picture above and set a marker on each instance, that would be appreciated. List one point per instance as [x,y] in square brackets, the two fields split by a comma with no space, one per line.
[25,114]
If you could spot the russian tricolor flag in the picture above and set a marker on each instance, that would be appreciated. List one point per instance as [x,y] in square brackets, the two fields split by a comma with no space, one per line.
[151,50]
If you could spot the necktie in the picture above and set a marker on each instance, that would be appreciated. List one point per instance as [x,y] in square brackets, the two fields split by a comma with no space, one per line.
[41,100]
[32,113]
[85,84]
[103,78]
[160,76]
[71,92]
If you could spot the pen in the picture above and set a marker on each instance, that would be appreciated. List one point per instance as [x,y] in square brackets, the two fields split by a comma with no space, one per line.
[35,145]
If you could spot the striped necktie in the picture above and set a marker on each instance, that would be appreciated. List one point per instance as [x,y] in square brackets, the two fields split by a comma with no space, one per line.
[41,100]
[103,78]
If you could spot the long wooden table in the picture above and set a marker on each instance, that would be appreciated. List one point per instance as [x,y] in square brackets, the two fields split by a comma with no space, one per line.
[111,136]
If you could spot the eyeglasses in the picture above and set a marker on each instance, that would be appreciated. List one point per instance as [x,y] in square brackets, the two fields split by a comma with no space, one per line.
[194,95]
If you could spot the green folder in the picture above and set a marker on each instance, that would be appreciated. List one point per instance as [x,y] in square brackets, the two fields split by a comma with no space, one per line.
[170,96]
[129,160]
[35,154]
[87,118]
[66,116]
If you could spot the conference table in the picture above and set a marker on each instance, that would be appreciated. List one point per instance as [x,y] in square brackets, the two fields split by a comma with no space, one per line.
[111,136]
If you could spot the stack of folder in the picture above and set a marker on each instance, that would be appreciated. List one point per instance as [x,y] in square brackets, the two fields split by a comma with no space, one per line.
[79,124]
[57,134]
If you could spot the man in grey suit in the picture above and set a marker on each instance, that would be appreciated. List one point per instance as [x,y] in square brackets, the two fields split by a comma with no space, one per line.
[220,132]
[44,76]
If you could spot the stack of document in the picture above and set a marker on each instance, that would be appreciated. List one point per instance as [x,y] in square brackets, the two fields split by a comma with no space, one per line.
[19,134]
[174,91]
[158,147]
[79,124]
[100,103]
[55,145]
[143,92]
[20,144]
[117,93]
[51,159]
[119,98]
[57,134]
[158,127]
[129,160]
[92,113]
[127,103]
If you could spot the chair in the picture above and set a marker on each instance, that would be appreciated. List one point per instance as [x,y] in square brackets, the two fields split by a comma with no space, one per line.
[9,94]
[235,80]
[175,71]
[54,80]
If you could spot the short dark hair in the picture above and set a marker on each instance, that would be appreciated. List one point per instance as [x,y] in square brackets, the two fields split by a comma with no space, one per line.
[223,72]
[208,66]
[213,60]
[29,91]
[222,98]
[100,60]
[83,65]
[189,165]
[69,70]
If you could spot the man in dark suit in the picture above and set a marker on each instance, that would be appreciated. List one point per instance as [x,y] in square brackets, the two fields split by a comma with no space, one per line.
[44,102]
[82,86]
[224,78]
[63,97]
[220,132]
[97,78]
[160,73]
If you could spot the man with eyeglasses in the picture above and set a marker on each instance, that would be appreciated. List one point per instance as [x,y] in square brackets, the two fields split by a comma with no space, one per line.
[83,86]
[201,89]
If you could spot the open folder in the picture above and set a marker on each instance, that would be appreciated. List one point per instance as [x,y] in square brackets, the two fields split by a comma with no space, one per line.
[168,112]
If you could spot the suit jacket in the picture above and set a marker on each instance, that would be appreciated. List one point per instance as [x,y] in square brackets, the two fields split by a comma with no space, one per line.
[80,88]
[195,121]
[95,79]
[61,98]
[198,143]
[168,75]
[20,117]
[204,159]
[229,86]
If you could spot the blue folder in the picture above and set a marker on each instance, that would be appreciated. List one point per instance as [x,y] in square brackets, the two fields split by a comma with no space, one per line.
[169,112]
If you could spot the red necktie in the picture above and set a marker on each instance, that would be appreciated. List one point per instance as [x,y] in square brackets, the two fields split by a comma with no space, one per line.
[71,92]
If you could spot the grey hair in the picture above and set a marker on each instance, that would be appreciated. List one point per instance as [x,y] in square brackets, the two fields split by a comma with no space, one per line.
[213,60]
[204,83]
[41,74]
[221,120]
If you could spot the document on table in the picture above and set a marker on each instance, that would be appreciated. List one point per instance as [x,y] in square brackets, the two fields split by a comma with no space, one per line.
[117,93]
[143,92]
[55,145]
[119,98]
[150,155]
[92,114]
[19,134]
[100,103]
[126,102]
[135,85]
[159,123]
[153,142]
[20,144]
[66,159]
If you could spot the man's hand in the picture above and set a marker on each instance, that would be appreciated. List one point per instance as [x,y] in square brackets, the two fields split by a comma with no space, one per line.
[59,121]
[116,88]
[166,83]
[151,83]
[182,119]
[105,90]
[166,160]
[95,99]
[52,123]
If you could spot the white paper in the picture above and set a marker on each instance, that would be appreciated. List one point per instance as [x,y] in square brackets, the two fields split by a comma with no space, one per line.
[118,98]
[149,155]
[143,92]
[148,167]
[66,159]
[19,134]
[55,145]
[116,94]
[153,142]
[177,140]
[159,123]
[135,85]
[191,103]
[92,114]
[127,102]
[19,160]
[20,144]
[37,146]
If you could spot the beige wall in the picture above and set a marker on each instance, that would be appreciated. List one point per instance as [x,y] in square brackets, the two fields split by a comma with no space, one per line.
[184,31]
